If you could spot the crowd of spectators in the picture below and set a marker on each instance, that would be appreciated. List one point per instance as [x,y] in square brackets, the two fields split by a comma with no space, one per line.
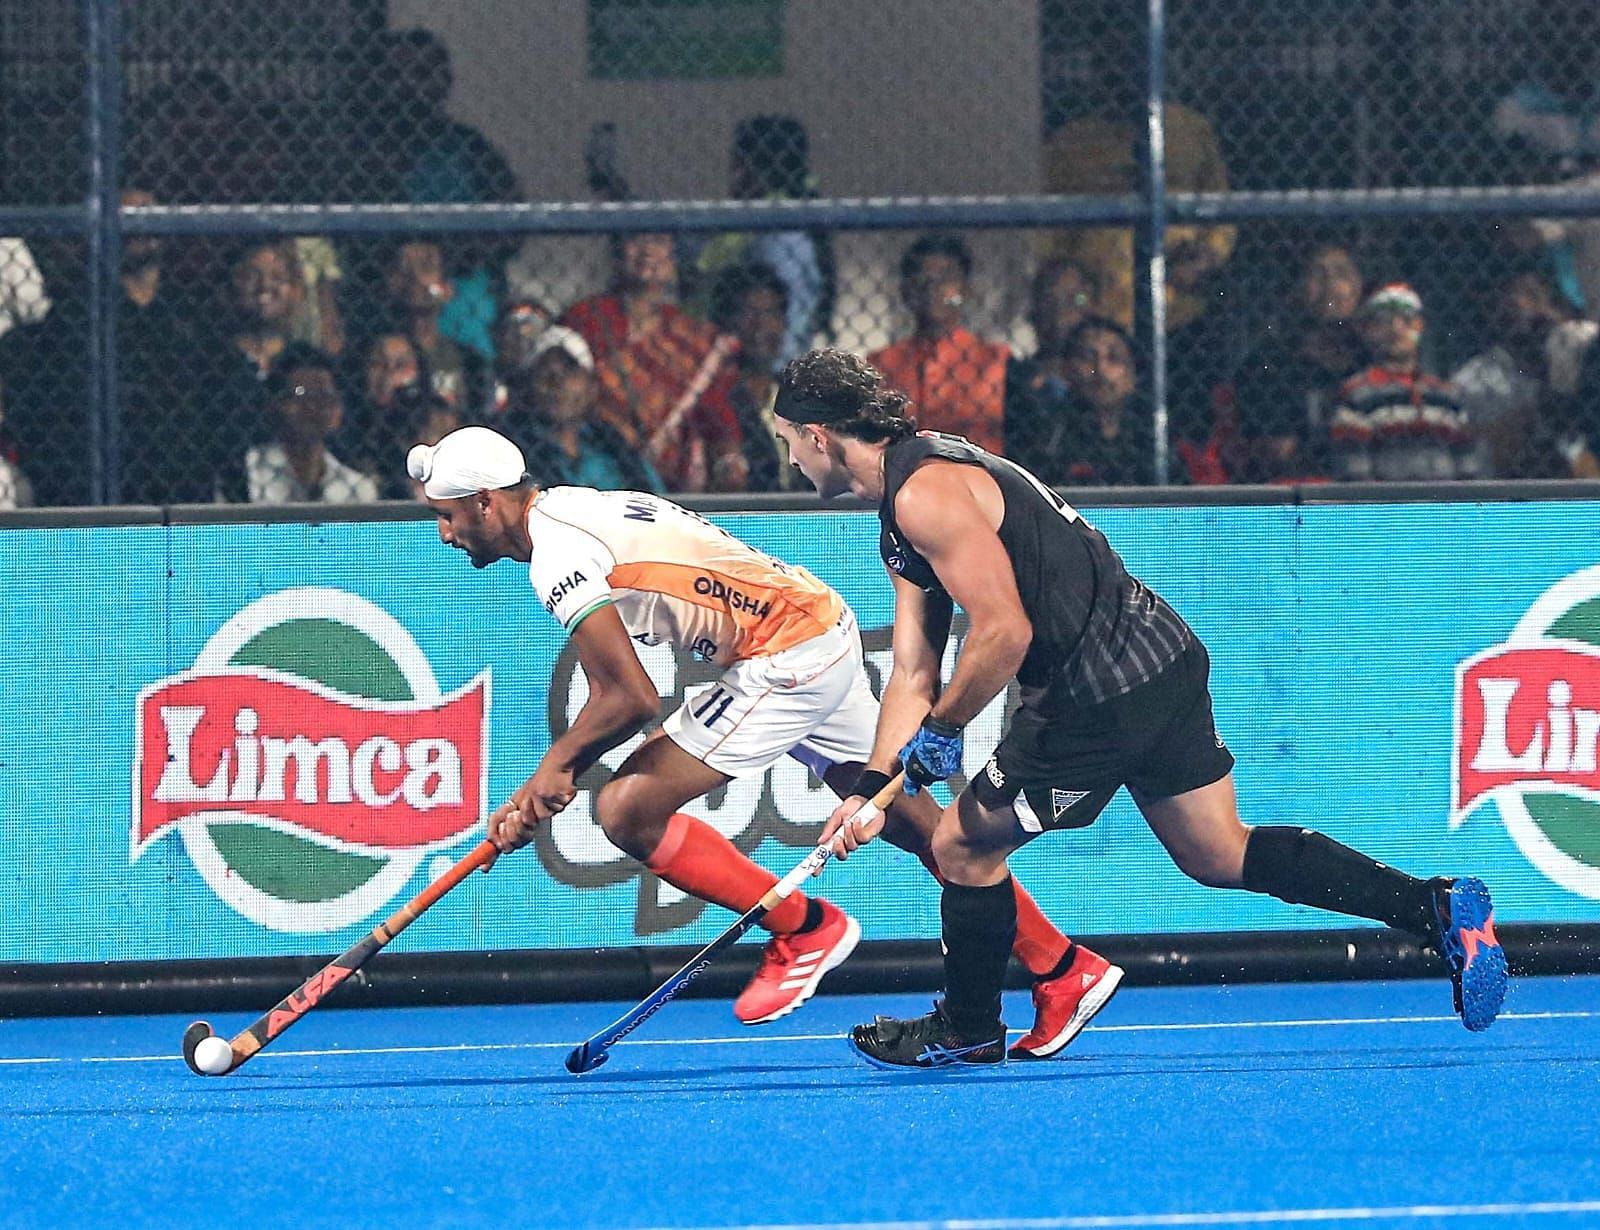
[302,369]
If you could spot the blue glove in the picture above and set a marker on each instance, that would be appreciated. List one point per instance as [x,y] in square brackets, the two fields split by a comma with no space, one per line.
[933,754]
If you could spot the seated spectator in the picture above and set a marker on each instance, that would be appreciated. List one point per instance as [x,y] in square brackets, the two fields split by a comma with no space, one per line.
[392,363]
[267,294]
[655,364]
[171,450]
[417,151]
[304,407]
[1567,444]
[1094,153]
[554,416]
[518,327]
[750,303]
[15,489]
[418,291]
[770,161]
[427,419]
[1394,421]
[22,296]
[390,368]
[1548,131]
[1062,296]
[1103,432]
[1532,362]
[1284,391]
[954,377]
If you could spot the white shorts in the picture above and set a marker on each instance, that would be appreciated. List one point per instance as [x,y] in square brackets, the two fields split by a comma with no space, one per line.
[812,702]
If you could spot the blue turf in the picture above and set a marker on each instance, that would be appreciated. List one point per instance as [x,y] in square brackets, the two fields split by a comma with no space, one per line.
[1160,1108]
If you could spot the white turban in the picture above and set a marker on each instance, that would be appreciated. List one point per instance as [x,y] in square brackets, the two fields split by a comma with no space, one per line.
[468,460]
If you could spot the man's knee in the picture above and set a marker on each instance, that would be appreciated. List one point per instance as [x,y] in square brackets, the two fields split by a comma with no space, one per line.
[1217,862]
[618,811]
[970,839]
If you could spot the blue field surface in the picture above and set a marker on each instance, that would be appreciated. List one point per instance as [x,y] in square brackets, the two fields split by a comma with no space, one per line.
[1360,1104]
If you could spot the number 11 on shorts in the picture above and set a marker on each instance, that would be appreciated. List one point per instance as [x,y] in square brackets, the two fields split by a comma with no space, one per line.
[713,706]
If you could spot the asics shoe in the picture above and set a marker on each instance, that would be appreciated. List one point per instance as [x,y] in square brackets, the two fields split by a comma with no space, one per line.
[930,1041]
[1063,1005]
[1465,919]
[793,965]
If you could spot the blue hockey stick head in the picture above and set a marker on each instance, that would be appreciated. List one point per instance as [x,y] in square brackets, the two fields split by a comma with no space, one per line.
[581,1059]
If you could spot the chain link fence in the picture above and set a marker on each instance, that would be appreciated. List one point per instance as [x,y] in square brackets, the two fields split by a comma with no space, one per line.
[967,203]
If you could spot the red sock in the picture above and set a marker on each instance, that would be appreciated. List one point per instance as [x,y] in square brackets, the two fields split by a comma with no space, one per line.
[1039,945]
[696,858]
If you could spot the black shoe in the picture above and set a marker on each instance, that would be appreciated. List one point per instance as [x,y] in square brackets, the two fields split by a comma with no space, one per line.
[930,1041]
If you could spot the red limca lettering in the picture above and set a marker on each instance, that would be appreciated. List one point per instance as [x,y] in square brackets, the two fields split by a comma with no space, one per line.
[1527,717]
[378,774]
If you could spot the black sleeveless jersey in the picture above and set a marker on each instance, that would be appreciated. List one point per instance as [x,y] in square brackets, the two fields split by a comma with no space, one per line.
[1097,630]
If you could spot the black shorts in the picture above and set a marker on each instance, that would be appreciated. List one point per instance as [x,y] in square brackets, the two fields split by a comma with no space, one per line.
[1066,761]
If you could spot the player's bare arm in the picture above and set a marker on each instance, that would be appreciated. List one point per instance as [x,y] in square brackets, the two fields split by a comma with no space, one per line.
[921,628]
[622,701]
[951,514]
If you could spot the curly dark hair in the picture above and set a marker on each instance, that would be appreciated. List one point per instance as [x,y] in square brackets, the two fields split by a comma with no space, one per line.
[847,382]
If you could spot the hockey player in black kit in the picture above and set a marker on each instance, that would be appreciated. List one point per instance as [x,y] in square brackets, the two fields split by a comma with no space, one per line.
[1114,693]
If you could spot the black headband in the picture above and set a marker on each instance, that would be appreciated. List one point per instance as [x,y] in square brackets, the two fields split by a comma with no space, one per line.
[803,408]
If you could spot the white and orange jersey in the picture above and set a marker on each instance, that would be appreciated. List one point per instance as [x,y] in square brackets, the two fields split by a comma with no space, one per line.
[672,575]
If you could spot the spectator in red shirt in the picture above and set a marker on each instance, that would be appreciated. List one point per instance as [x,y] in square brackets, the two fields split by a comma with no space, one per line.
[655,364]
[956,379]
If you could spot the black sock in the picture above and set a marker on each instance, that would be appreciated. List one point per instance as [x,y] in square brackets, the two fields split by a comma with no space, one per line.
[980,925]
[1305,868]
[813,916]
[1061,966]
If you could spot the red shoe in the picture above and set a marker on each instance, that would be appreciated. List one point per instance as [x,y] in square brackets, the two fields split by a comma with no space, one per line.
[1064,1005]
[794,964]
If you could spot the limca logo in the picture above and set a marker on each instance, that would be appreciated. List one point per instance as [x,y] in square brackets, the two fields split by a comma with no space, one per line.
[1527,733]
[308,760]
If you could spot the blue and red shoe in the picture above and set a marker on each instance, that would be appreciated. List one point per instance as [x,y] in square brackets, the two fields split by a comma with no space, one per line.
[1466,939]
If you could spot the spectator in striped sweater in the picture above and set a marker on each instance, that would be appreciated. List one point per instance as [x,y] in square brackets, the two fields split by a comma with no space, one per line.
[1393,421]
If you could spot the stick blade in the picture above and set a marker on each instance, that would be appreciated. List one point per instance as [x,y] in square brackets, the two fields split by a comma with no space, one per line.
[192,1038]
[581,1059]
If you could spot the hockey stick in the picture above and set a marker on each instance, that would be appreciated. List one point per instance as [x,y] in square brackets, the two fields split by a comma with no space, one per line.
[589,1055]
[311,992]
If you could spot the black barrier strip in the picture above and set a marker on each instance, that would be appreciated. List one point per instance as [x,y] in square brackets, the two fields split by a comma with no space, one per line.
[877,967]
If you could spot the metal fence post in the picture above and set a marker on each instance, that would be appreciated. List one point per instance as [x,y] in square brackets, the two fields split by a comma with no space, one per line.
[103,129]
[1150,236]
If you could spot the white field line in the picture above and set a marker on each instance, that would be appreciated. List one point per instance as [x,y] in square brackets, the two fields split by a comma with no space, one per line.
[746,1039]
[1266,1217]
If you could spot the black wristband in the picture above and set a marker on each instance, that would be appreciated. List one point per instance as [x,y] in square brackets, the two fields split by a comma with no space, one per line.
[937,726]
[870,782]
